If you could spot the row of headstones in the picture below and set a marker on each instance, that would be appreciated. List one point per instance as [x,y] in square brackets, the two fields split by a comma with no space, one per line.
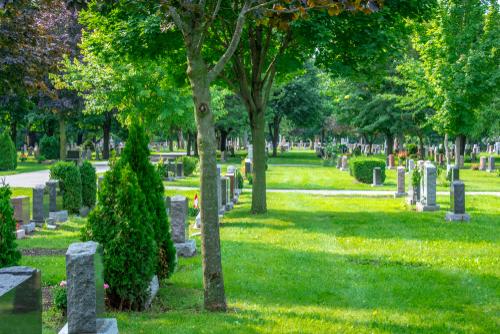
[30,150]
[47,208]
[224,155]
[22,302]
[175,172]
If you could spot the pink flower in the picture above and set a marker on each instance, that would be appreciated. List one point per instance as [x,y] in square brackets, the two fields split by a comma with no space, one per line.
[62,283]
[106,286]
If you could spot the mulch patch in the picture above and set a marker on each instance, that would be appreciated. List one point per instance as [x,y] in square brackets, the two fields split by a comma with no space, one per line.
[42,252]
[47,297]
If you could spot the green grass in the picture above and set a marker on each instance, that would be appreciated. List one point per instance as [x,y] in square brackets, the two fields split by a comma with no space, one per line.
[295,157]
[30,165]
[316,264]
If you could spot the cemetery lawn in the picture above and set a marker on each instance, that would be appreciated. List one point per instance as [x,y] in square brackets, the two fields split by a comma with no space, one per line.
[29,165]
[323,264]
[295,157]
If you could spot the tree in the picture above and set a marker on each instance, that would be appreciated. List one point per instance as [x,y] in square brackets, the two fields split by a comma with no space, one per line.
[231,119]
[9,254]
[460,55]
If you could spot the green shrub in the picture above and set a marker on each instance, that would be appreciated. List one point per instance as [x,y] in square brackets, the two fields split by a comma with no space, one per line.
[416,177]
[88,144]
[136,154]
[412,149]
[50,147]
[69,174]
[240,179]
[413,156]
[121,224]
[250,179]
[40,159]
[189,164]
[467,159]
[442,151]
[468,151]
[362,169]
[89,184]
[8,152]
[9,254]
[357,151]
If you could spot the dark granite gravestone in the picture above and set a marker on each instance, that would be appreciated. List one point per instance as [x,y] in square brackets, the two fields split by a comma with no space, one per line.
[180,170]
[377,177]
[41,204]
[457,203]
[180,226]
[455,174]
[20,300]
[74,155]
[85,290]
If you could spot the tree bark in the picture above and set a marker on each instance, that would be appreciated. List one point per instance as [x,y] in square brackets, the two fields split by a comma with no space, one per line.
[446,147]
[273,132]
[195,144]
[79,140]
[188,149]
[390,143]
[13,133]
[259,204]
[223,138]
[171,139]
[106,129]
[62,136]
[421,141]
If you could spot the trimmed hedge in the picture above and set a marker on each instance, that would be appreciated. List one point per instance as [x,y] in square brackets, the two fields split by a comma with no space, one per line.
[121,224]
[69,174]
[9,254]
[8,152]
[89,184]
[362,169]
[50,147]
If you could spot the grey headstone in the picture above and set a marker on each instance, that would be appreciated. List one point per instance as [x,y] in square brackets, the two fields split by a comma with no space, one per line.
[223,183]
[248,167]
[180,169]
[339,162]
[457,197]
[20,300]
[22,211]
[401,189]
[41,203]
[179,212]
[491,165]
[377,176]
[455,174]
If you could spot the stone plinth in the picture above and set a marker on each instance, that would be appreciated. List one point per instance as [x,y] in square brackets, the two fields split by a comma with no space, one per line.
[22,211]
[401,190]
[491,165]
[59,216]
[41,204]
[20,300]
[377,177]
[180,170]
[457,203]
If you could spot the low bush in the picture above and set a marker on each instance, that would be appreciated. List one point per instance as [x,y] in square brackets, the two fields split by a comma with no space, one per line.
[413,156]
[69,174]
[467,159]
[88,144]
[250,179]
[89,184]
[50,147]
[23,158]
[9,254]
[356,152]
[412,149]
[8,152]
[362,169]
[468,152]
[240,179]
[189,164]
[40,158]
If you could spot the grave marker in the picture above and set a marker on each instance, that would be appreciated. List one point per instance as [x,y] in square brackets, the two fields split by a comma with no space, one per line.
[401,190]
[457,203]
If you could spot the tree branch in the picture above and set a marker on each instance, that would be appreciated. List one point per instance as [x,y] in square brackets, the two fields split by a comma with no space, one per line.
[233,86]
[177,19]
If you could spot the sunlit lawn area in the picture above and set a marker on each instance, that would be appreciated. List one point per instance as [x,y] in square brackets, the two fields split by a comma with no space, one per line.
[316,264]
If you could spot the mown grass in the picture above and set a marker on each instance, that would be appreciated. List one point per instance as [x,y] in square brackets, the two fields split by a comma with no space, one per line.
[295,157]
[318,264]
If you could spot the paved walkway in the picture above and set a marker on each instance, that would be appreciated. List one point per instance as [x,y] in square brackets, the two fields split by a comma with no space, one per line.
[341,192]
[31,179]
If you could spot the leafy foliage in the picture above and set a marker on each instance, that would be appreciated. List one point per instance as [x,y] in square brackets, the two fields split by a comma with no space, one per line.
[362,169]
[120,222]
[49,147]
[69,174]
[88,144]
[9,254]
[189,164]
[412,149]
[136,155]
[89,184]
[356,151]
[8,152]
[40,158]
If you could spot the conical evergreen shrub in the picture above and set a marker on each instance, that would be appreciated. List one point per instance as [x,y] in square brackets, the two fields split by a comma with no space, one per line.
[120,223]
[8,152]
[9,254]
[136,154]
[89,184]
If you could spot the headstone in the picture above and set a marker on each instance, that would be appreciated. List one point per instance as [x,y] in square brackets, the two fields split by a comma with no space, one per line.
[482,164]
[41,204]
[491,165]
[428,193]
[339,162]
[250,152]
[473,157]
[223,185]
[56,202]
[75,156]
[30,151]
[180,226]
[180,170]
[457,203]
[85,290]
[222,209]
[462,165]
[401,190]
[411,164]
[392,165]
[172,168]
[344,164]
[377,177]
[413,192]
[490,149]
[248,167]
[158,148]
[89,154]
[21,301]
[22,211]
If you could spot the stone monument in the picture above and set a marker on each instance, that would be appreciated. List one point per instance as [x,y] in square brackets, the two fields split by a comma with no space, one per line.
[428,189]
[180,226]
[457,203]
[401,192]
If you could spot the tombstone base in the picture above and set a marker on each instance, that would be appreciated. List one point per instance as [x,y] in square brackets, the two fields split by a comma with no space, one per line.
[186,249]
[482,169]
[109,326]
[19,234]
[229,206]
[344,169]
[154,287]
[234,200]
[84,211]
[377,185]
[427,208]
[398,195]
[410,201]
[28,228]
[51,227]
[59,216]
[490,171]
[390,167]
[169,179]
[457,217]
[197,224]
[222,211]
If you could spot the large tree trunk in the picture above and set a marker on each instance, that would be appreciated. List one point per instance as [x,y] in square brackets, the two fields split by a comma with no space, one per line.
[446,147]
[79,140]
[258,124]
[273,132]
[390,143]
[13,133]
[223,138]
[213,282]
[195,144]
[62,135]
[188,150]
[245,139]
[459,142]
[171,139]
[421,141]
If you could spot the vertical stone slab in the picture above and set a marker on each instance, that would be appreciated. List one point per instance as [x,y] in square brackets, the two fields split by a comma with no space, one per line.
[339,162]
[89,154]
[344,164]
[20,300]
[411,164]
[430,184]
[85,287]
[180,169]
[219,189]
[22,211]
[491,165]
[41,203]
[457,197]
[455,174]
[377,177]
[172,168]
[52,194]
[223,184]
[482,164]
[178,218]
[401,189]
[248,167]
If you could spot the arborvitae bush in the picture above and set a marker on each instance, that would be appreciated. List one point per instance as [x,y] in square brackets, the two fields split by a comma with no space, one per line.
[120,223]
[136,154]
[88,145]
[69,174]
[9,254]
[412,149]
[89,184]
[50,147]
[8,152]
[356,151]
[189,164]
[362,169]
